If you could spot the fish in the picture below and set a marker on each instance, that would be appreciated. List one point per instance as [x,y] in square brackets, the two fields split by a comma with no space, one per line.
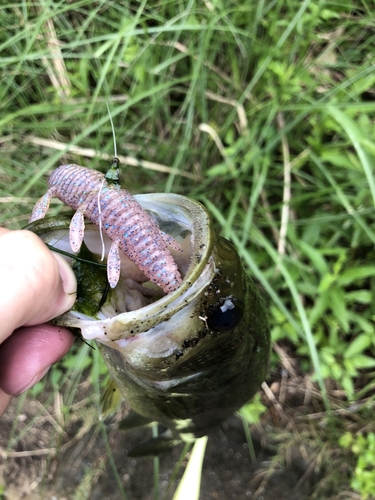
[187,358]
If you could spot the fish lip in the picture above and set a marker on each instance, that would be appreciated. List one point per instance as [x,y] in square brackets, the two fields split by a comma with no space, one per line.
[144,319]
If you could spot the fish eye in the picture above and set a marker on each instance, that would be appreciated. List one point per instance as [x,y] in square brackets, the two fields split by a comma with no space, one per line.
[223,320]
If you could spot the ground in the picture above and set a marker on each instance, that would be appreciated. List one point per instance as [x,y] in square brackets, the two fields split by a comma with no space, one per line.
[48,455]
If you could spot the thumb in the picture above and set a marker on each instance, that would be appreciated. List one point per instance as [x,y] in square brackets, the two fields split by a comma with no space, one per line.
[36,284]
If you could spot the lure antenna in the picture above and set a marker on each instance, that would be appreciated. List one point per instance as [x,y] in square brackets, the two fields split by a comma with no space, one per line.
[112,176]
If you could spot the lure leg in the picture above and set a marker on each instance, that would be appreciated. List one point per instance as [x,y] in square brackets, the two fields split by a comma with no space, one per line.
[113,264]
[77,230]
[170,241]
[41,206]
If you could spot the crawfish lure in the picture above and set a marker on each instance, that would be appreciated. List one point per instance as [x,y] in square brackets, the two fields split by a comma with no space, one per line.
[101,199]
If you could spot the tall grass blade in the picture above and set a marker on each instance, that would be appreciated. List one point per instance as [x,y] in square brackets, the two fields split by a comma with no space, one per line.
[356,135]
[190,484]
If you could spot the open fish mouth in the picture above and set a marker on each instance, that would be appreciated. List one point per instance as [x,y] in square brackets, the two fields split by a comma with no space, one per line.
[189,358]
[120,316]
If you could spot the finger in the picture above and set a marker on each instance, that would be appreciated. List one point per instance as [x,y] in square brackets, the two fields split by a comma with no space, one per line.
[28,354]
[5,399]
[36,284]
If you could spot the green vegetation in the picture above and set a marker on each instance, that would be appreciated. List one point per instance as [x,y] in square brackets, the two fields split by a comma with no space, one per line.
[363,446]
[262,110]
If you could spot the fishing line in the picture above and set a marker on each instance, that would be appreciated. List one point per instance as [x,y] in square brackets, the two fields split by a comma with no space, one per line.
[100,220]
[101,186]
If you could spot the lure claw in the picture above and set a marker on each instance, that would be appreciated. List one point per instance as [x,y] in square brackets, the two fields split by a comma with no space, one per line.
[41,206]
[114,264]
[77,230]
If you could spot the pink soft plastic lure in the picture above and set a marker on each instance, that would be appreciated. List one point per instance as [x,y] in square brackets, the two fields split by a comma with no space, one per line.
[120,216]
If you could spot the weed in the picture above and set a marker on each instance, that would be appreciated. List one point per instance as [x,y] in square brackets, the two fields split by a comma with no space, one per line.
[363,446]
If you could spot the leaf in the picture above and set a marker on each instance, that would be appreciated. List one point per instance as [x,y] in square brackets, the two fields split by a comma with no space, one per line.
[363,361]
[337,301]
[364,324]
[37,388]
[347,385]
[354,274]
[362,296]
[359,344]
[218,170]
[349,368]
[252,411]
[316,258]
[336,370]
[327,356]
[346,440]
[356,135]
[336,157]
[55,377]
[326,282]
[365,83]
[75,362]
[320,306]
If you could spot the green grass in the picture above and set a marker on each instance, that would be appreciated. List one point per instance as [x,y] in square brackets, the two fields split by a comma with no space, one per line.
[264,111]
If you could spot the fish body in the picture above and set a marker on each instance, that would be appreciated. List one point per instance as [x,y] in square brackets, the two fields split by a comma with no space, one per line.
[197,368]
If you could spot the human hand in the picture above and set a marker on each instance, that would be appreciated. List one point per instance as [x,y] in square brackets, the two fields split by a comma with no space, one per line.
[36,285]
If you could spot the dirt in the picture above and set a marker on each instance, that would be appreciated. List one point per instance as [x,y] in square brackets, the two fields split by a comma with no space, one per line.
[66,458]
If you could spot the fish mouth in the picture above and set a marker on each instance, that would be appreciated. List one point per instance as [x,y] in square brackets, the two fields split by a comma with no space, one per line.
[136,305]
